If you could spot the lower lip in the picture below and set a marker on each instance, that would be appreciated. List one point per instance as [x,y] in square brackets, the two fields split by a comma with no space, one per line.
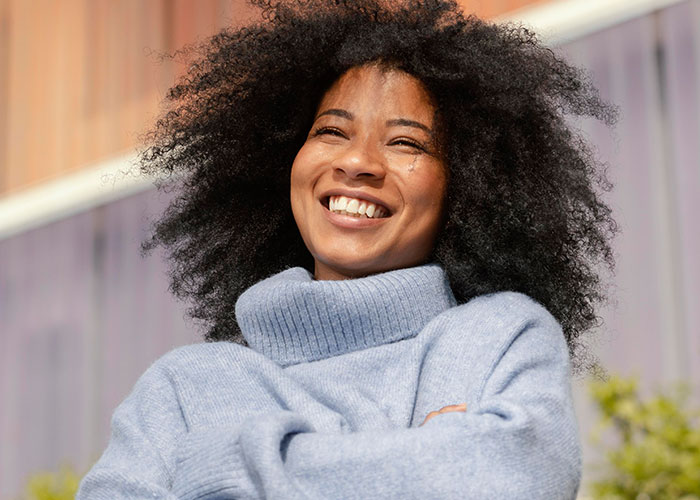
[350,222]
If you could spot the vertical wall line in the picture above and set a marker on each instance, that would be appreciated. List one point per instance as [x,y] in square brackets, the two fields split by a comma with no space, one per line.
[676,367]
[93,339]
[695,21]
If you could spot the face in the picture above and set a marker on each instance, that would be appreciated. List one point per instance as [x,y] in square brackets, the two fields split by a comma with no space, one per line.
[367,186]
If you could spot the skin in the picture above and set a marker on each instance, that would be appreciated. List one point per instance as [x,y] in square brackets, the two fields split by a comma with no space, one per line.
[355,143]
[445,409]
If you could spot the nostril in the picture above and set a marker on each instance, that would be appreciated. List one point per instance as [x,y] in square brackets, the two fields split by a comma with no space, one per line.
[365,170]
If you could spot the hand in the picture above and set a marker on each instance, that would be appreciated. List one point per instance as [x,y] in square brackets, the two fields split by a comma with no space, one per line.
[445,409]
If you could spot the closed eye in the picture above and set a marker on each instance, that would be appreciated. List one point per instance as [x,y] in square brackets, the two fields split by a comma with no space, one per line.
[407,142]
[329,131]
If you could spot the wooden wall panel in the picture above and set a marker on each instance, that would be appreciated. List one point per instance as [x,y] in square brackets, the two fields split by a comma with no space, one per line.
[492,8]
[80,80]
[4,81]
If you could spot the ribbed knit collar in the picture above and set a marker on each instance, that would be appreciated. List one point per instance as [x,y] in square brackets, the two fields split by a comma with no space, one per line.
[291,318]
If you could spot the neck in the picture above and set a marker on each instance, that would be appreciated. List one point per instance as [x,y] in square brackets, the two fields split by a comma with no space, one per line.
[327,273]
[324,272]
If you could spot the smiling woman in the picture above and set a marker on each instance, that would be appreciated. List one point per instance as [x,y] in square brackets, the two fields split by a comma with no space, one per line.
[392,237]
[367,186]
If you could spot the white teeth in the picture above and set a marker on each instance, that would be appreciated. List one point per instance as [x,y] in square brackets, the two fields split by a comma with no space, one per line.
[355,207]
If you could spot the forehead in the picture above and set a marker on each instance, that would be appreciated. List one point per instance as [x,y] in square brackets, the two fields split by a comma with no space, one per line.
[373,90]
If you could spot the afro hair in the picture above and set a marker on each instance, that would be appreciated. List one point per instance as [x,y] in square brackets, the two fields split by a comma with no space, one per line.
[523,203]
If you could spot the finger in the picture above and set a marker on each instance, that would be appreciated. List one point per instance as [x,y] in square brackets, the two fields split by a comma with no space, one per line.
[429,416]
[459,407]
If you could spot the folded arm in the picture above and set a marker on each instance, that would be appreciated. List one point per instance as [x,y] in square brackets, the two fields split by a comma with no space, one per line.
[519,441]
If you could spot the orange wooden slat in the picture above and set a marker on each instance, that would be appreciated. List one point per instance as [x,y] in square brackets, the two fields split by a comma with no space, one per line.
[79,85]
[19,100]
[4,70]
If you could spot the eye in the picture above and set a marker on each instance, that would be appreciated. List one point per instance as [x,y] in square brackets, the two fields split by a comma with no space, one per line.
[408,142]
[328,131]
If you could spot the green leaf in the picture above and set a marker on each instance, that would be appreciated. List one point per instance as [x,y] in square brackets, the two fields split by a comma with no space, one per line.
[658,455]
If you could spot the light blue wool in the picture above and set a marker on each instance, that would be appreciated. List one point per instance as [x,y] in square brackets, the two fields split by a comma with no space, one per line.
[328,401]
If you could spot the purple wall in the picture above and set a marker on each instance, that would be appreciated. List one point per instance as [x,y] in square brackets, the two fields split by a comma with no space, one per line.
[82,314]
[650,68]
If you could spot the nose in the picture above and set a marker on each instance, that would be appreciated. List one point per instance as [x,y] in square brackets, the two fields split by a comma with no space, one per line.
[361,161]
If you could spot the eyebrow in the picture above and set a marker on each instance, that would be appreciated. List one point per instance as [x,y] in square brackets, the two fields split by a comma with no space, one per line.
[337,112]
[408,123]
[395,122]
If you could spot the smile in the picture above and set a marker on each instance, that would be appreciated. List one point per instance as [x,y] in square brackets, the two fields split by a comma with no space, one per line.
[355,207]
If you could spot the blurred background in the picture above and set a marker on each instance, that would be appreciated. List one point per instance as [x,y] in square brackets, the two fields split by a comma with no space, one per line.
[82,314]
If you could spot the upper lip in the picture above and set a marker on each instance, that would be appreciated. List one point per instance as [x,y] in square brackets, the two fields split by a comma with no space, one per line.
[350,193]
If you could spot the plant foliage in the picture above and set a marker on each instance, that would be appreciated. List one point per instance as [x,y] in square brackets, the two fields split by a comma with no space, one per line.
[62,485]
[658,456]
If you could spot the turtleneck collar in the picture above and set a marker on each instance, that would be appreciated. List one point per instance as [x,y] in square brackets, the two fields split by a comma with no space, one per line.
[291,318]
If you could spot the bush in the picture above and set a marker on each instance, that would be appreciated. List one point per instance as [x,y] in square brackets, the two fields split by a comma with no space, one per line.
[62,485]
[658,456]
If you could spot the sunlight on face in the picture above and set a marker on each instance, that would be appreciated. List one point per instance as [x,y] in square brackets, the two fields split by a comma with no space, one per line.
[367,186]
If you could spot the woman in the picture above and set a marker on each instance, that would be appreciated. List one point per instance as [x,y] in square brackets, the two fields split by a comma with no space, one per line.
[391,335]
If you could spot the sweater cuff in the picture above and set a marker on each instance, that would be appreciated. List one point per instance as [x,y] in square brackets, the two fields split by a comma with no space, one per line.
[210,464]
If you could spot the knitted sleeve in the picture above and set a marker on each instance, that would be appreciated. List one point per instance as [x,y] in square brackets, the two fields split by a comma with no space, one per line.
[519,440]
[139,461]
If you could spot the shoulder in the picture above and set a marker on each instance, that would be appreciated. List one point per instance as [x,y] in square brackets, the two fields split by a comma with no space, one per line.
[159,380]
[194,353]
[205,357]
[499,315]
[164,378]
[489,328]
[175,377]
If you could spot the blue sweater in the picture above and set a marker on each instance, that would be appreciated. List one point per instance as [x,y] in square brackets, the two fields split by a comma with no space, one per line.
[328,401]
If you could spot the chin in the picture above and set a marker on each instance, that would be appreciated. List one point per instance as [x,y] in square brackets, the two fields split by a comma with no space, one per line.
[351,269]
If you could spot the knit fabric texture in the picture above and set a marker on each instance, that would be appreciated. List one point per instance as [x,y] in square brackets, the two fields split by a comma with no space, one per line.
[329,400]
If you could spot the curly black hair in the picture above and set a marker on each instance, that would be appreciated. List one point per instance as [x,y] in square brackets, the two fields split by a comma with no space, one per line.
[523,203]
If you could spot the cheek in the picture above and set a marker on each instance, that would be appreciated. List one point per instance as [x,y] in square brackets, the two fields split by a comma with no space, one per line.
[301,185]
[294,191]
[297,178]
[428,195]
[305,165]
[296,201]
